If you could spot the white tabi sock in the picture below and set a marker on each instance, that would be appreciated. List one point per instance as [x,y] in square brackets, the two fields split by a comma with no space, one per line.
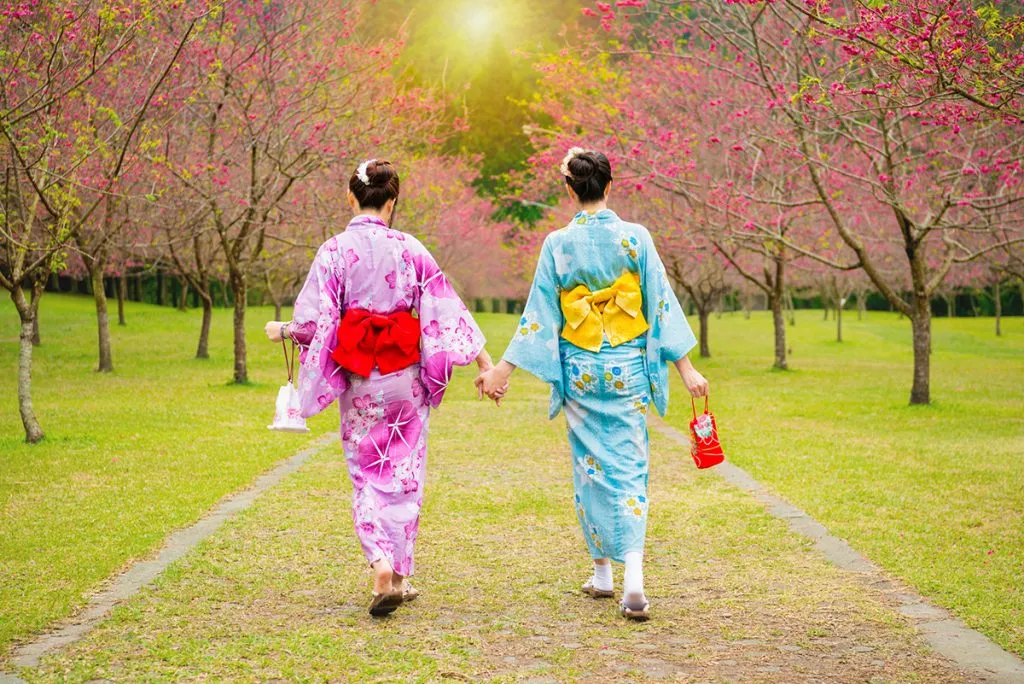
[633,578]
[603,580]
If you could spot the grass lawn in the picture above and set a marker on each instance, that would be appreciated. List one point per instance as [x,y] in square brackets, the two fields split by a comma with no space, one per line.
[128,456]
[934,494]
[280,593]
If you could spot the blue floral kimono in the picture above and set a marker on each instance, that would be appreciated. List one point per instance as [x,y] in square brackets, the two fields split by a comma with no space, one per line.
[600,325]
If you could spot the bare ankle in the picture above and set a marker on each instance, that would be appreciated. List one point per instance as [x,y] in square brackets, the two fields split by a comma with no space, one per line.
[383,576]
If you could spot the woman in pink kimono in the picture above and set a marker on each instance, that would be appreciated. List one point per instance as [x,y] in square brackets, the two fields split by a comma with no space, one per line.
[380,328]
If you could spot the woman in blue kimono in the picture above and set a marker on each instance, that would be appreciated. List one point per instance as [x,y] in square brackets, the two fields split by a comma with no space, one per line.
[600,325]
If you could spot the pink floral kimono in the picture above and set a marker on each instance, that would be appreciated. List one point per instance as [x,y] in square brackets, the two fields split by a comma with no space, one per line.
[383,417]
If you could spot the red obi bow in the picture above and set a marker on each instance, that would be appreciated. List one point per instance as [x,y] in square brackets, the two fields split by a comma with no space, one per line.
[367,340]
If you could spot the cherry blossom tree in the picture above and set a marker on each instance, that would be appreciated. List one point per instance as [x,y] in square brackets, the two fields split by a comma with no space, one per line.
[824,113]
[859,142]
[698,267]
[440,206]
[276,97]
[189,245]
[969,54]
[704,278]
[682,151]
[57,179]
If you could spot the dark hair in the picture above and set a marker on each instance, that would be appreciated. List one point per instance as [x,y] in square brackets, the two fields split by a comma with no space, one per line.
[591,173]
[382,188]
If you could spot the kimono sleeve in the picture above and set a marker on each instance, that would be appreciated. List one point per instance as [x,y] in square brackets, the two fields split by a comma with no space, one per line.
[670,332]
[318,309]
[449,336]
[534,346]
[302,333]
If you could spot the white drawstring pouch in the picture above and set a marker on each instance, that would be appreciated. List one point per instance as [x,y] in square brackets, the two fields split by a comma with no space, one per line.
[287,416]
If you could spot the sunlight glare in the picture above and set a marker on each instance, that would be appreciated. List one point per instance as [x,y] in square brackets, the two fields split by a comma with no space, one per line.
[479,21]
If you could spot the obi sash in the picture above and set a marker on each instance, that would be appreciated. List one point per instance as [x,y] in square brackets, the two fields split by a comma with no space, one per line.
[367,340]
[615,311]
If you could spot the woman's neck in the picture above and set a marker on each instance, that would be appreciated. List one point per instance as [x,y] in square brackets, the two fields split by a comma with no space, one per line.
[594,207]
[383,216]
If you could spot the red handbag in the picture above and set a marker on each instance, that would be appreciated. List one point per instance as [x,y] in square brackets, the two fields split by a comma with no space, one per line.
[704,445]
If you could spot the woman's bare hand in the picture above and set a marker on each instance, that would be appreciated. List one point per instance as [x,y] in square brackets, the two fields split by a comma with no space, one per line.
[273,330]
[696,384]
[491,383]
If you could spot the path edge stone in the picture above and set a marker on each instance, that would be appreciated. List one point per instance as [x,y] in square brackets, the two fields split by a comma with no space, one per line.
[949,636]
[144,572]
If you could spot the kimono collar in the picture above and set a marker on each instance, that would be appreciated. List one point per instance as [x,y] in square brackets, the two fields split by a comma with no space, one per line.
[366,221]
[602,216]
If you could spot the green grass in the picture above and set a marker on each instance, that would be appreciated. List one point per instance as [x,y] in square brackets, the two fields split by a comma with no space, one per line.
[280,592]
[128,456]
[934,494]
[926,492]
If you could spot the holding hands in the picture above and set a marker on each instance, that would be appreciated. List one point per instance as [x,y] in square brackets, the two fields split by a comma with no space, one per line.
[493,380]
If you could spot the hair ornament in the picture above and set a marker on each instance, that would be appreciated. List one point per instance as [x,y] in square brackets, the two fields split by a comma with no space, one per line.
[572,154]
[361,173]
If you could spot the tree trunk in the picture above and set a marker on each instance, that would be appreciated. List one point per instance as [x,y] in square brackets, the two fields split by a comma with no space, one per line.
[921,323]
[778,320]
[183,296]
[99,295]
[203,351]
[792,308]
[165,290]
[36,339]
[950,306]
[824,304]
[238,289]
[861,305]
[748,304]
[839,321]
[705,348]
[277,311]
[999,310]
[27,312]
[122,294]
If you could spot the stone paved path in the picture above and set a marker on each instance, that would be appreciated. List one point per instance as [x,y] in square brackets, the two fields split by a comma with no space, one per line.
[278,592]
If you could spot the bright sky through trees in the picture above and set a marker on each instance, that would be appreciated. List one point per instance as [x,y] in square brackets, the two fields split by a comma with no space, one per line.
[478,23]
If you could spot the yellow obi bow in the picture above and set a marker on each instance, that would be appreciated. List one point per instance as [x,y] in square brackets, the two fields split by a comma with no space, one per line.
[615,311]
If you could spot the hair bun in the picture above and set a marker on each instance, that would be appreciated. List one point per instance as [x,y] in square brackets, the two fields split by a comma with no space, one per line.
[589,173]
[374,183]
[582,167]
[379,173]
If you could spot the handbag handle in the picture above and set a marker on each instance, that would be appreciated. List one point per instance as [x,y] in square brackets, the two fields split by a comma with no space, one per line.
[289,363]
[694,406]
